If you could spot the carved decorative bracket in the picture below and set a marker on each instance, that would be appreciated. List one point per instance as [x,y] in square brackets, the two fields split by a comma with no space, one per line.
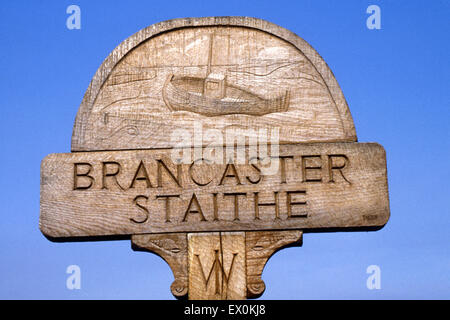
[259,247]
[173,249]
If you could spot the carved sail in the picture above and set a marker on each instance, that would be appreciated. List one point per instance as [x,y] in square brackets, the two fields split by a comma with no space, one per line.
[233,100]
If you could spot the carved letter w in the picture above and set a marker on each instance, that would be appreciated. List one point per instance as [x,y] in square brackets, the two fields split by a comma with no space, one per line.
[218,269]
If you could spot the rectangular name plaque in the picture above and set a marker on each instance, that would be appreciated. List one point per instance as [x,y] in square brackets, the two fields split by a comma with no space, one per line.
[317,186]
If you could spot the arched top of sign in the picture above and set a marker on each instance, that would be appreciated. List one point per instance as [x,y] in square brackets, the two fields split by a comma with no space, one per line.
[217,73]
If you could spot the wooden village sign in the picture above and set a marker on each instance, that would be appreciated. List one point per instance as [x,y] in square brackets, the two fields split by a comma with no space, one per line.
[213,142]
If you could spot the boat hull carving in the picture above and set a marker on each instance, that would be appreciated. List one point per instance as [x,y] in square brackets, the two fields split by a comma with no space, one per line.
[184,93]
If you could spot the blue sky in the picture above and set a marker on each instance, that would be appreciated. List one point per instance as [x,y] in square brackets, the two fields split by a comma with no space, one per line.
[396,82]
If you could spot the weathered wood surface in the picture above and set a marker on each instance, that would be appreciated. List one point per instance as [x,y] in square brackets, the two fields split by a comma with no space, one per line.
[316,186]
[162,79]
[217,268]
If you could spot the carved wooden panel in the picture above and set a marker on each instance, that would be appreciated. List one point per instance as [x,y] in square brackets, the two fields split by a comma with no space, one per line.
[240,73]
[201,76]
[316,186]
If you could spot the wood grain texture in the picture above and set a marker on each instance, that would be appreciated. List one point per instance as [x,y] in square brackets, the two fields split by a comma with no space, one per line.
[161,78]
[217,266]
[324,185]
[259,247]
[173,248]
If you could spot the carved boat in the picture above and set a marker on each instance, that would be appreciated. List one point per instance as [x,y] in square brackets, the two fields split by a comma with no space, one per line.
[213,96]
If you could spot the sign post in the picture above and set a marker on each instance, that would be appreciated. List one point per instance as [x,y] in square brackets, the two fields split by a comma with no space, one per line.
[213,142]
